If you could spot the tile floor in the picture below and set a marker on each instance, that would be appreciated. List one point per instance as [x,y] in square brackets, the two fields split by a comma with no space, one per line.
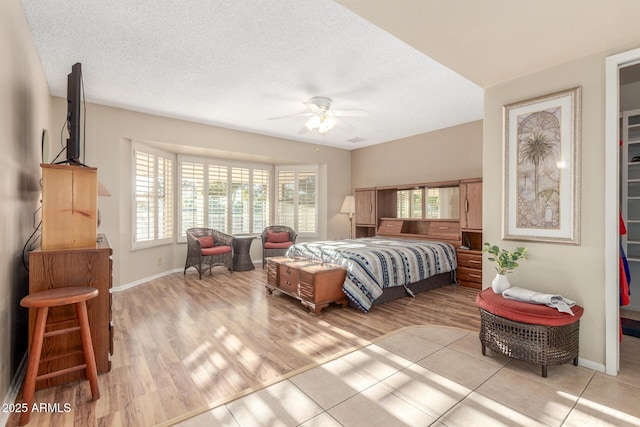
[437,376]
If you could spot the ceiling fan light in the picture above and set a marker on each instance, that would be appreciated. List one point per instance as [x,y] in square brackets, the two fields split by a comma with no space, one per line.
[329,122]
[313,123]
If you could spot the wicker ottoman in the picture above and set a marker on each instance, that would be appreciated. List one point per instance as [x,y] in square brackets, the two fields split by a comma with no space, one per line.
[529,332]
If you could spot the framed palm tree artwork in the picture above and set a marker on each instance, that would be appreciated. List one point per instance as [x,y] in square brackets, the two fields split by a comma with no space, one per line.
[541,194]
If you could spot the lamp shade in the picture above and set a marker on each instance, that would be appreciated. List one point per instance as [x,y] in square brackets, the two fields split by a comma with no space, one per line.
[349,205]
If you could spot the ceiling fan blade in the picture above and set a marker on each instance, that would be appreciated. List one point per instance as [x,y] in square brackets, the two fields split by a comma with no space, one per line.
[288,116]
[350,113]
[344,126]
[303,130]
[313,108]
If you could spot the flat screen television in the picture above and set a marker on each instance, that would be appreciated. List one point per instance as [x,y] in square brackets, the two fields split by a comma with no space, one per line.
[74,107]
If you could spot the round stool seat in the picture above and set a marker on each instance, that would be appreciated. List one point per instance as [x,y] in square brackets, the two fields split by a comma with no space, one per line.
[59,296]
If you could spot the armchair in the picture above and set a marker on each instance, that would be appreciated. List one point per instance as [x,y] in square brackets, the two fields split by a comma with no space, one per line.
[208,248]
[276,240]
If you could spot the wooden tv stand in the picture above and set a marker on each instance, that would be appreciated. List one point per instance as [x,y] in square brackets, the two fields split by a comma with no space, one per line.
[315,284]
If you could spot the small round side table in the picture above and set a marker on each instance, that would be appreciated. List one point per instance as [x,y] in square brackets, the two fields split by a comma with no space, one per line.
[241,257]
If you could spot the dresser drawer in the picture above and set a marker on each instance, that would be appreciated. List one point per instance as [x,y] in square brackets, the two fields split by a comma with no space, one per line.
[469,275]
[390,226]
[471,259]
[449,229]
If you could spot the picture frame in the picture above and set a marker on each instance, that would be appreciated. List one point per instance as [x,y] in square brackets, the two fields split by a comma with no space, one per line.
[541,144]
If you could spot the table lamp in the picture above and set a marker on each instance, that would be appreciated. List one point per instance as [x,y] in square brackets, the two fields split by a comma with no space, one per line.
[349,207]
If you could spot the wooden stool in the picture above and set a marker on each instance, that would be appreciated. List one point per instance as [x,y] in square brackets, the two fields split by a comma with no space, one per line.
[54,298]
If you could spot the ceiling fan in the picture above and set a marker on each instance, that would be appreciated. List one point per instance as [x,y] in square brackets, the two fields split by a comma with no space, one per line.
[322,117]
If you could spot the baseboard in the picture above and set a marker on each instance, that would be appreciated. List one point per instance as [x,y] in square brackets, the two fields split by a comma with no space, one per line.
[157,276]
[14,389]
[146,279]
[599,367]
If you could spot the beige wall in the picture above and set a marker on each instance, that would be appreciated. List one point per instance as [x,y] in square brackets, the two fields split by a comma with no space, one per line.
[576,272]
[24,113]
[442,155]
[108,147]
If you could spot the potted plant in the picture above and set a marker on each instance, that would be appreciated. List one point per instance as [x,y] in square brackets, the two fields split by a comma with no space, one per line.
[506,261]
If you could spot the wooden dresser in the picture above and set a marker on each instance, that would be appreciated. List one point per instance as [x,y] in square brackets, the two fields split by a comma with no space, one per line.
[56,268]
[470,268]
[315,284]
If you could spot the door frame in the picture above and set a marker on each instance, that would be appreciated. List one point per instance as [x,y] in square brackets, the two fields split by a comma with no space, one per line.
[612,206]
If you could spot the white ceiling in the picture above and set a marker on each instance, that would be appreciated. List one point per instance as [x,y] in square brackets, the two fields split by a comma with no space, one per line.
[237,63]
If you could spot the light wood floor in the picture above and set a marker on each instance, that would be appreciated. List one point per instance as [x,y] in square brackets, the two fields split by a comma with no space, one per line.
[183,343]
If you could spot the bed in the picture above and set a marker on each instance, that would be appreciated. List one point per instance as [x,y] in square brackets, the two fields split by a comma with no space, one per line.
[382,269]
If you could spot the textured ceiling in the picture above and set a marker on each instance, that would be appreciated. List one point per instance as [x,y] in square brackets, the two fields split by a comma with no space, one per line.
[237,63]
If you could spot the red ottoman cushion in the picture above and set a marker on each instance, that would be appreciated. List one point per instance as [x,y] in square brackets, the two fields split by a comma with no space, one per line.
[524,312]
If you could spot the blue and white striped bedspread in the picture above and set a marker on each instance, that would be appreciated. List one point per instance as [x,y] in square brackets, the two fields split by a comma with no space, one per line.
[375,263]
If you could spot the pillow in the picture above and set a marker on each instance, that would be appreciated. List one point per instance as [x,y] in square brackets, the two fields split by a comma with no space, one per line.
[278,237]
[279,245]
[206,241]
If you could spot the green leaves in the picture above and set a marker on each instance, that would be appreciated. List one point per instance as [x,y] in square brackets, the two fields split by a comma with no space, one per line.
[506,260]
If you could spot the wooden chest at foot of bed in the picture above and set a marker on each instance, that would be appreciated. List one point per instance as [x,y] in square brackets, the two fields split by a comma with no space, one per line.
[315,284]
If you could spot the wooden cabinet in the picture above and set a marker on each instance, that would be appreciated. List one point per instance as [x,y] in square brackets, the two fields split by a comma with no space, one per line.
[365,216]
[69,206]
[470,268]
[471,204]
[365,207]
[315,284]
[470,259]
[50,269]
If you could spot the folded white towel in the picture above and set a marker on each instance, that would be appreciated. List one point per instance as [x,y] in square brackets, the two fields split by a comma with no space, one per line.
[558,302]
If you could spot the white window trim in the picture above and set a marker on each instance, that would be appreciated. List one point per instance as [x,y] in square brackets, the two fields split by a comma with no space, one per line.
[156,152]
[298,168]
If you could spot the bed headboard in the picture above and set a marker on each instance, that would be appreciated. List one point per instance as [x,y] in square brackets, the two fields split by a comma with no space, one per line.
[428,229]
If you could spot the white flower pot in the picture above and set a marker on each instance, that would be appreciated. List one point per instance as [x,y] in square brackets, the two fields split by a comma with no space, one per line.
[500,284]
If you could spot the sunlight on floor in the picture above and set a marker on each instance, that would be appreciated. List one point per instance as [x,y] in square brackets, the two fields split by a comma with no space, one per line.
[376,386]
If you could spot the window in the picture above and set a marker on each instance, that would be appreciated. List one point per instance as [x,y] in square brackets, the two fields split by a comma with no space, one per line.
[218,191]
[230,197]
[296,202]
[261,197]
[153,194]
[192,182]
